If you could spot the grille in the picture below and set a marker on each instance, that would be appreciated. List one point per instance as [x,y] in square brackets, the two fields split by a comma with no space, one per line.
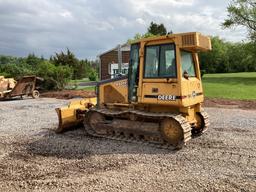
[188,40]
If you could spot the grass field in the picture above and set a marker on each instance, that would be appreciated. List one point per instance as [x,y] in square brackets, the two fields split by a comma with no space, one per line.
[224,85]
[230,85]
[87,88]
[79,81]
[74,84]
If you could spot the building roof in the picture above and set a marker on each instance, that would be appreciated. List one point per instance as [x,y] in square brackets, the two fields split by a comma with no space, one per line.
[124,47]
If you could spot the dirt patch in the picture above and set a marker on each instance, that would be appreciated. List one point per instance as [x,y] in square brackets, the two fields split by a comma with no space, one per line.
[230,103]
[220,103]
[69,94]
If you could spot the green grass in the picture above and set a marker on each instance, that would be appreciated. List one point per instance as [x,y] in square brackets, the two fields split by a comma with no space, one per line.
[224,85]
[72,83]
[79,81]
[87,88]
[230,85]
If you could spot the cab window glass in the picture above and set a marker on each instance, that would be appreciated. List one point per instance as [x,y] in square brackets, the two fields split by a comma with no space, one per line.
[167,61]
[187,63]
[160,61]
[151,61]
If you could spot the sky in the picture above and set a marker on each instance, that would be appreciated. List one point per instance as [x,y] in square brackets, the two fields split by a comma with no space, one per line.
[90,27]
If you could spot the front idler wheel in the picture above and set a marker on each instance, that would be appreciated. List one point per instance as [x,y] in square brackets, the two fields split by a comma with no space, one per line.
[172,132]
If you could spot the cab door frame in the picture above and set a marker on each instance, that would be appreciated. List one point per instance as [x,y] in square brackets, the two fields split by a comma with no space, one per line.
[134,76]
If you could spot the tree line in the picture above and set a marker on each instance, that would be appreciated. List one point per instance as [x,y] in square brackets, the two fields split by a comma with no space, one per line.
[56,71]
[229,57]
[234,57]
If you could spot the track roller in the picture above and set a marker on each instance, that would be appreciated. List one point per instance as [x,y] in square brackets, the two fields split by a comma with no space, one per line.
[158,129]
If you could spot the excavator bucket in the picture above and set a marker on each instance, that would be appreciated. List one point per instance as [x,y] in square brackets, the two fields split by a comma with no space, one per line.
[72,115]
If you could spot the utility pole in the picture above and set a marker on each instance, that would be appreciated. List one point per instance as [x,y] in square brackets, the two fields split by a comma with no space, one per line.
[120,59]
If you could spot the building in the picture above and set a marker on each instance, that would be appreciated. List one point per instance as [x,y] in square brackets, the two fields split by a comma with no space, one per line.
[109,62]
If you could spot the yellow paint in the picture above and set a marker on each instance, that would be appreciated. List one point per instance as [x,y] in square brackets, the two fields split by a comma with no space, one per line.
[188,92]
[68,115]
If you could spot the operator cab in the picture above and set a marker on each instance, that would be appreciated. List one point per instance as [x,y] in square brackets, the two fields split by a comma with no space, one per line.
[159,63]
[165,69]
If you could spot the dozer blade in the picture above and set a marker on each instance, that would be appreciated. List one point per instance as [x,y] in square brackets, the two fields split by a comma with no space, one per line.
[72,115]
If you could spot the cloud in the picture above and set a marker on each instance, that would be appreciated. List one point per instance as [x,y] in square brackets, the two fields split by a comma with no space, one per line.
[91,27]
[140,21]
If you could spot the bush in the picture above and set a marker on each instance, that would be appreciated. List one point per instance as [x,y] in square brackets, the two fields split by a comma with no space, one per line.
[6,75]
[46,71]
[16,70]
[56,72]
[62,76]
[93,75]
[55,77]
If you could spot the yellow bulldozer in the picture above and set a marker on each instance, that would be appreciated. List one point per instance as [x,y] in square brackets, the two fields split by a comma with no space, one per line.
[159,102]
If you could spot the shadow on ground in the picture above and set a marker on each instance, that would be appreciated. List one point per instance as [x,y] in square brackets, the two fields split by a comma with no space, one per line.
[15,98]
[76,145]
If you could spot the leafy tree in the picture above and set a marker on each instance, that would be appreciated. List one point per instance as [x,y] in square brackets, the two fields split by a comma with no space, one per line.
[46,70]
[68,59]
[157,29]
[93,75]
[7,59]
[153,30]
[242,57]
[16,70]
[55,77]
[86,67]
[33,60]
[56,72]
[62,75]
[138,36]
[242,13]
[228,57]
[216,60]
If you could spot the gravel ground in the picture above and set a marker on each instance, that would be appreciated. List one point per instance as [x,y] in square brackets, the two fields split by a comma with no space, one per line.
[34,158]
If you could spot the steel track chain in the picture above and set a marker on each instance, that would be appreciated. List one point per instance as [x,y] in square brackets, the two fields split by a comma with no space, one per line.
[206,120]
[206,123]
[164,145]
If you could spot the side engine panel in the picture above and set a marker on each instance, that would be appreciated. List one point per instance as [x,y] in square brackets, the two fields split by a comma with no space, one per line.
[113,91]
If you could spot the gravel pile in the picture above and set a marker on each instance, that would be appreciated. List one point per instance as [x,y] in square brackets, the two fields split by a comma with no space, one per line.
[33,157]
